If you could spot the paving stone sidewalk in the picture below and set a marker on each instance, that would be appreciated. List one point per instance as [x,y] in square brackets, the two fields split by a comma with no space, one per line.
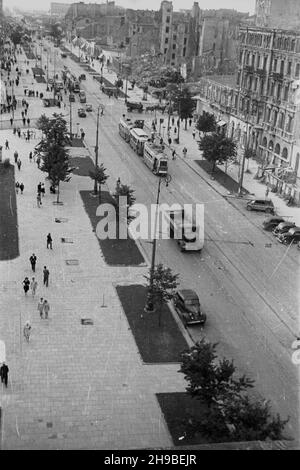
[73,386]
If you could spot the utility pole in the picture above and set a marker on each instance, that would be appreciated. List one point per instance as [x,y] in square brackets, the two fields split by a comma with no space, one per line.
[71,134]
[96,151]
[54,72]
[149,303]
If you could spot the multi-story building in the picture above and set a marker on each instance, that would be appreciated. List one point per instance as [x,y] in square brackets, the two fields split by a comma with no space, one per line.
[278,14]
[262,109]
[59,10]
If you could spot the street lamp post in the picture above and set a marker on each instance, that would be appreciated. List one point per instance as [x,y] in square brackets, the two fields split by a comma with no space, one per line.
[71,135]
[149,307]
[96,151]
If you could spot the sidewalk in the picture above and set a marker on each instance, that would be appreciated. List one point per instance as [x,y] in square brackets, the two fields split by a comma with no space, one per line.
[73,386]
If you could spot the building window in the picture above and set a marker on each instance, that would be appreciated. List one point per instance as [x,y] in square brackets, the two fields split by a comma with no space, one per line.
[174,37]
[281,121]
[184,51]
[166,41]
[166,50]
[275,114]
[289,68]
[297,72]
[184,42]
[167,29]
[286,93]
[265,62]
[289,126]
[277,149]
[168,19]
[279,92]
[275,65]
[284,153]
[173,56]
[282,67]
[174,46]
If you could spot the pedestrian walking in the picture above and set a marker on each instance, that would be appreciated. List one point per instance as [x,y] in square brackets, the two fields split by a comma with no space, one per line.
[22,114]
[32,260]
[46,309]
[175,130]
[184,151]
[6,145]
[26,284]
[82,135]
[169,140]
[19,132]
[40,307]
[38,161]
[28,121]
[30,157]
[22,187]
[16,155]
[14,130]
[194,134]
[46,276]
[25,112]
[27,331]
[267,191]
[24,121]
[172,120]
[11,121]
[4,373]
[17,186]
[38,199]
[33,286]
[49,241]
[19,163]
[174,155]
[43,190]
[118,182]
[190,121]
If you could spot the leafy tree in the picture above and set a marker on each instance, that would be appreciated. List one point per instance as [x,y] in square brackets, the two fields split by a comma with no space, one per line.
[228,413]
[208,381]
[16,36]
[182,101]
[55,158]
[249,153]
[252,420]
[125,191]
[206,123]
[55,162]
[99,176]
[162,283]
[217,148]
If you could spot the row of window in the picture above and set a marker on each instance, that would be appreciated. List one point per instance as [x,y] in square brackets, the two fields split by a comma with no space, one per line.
[280,42]
[281,66]
[274,89]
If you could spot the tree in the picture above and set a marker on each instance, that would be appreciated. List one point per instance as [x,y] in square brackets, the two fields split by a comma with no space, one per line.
[209,382]
[228,412]
[125,191]
[164,282]
[55,158]
[206,123]
[55,162]
[182,101]
[252,420]
[217,148]
[249,153]
[99,175]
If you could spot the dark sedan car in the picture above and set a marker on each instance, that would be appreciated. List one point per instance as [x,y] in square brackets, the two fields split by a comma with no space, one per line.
[263,205]
[292,236]
[271,222]
[187,304]
[283,227]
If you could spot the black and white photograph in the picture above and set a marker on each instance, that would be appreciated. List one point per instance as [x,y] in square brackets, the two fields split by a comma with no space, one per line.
[149,228]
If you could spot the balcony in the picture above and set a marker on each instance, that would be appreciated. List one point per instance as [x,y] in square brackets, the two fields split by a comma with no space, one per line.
[277,76]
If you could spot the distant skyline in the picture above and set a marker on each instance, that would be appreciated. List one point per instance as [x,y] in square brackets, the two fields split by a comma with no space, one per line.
[240,5]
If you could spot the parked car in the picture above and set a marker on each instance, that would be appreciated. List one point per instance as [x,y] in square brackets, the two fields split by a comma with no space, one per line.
[81,112]
[89,107]
[187,305]
[271,222]
[283,227]
[134,105]
[264,205]
[292,236]
[63,55]
[72,97]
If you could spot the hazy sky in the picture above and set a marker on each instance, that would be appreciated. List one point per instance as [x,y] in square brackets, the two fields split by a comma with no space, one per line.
[241,5]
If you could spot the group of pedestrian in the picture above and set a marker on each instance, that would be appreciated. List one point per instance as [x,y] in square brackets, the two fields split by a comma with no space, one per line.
[43,308]
[19,186]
